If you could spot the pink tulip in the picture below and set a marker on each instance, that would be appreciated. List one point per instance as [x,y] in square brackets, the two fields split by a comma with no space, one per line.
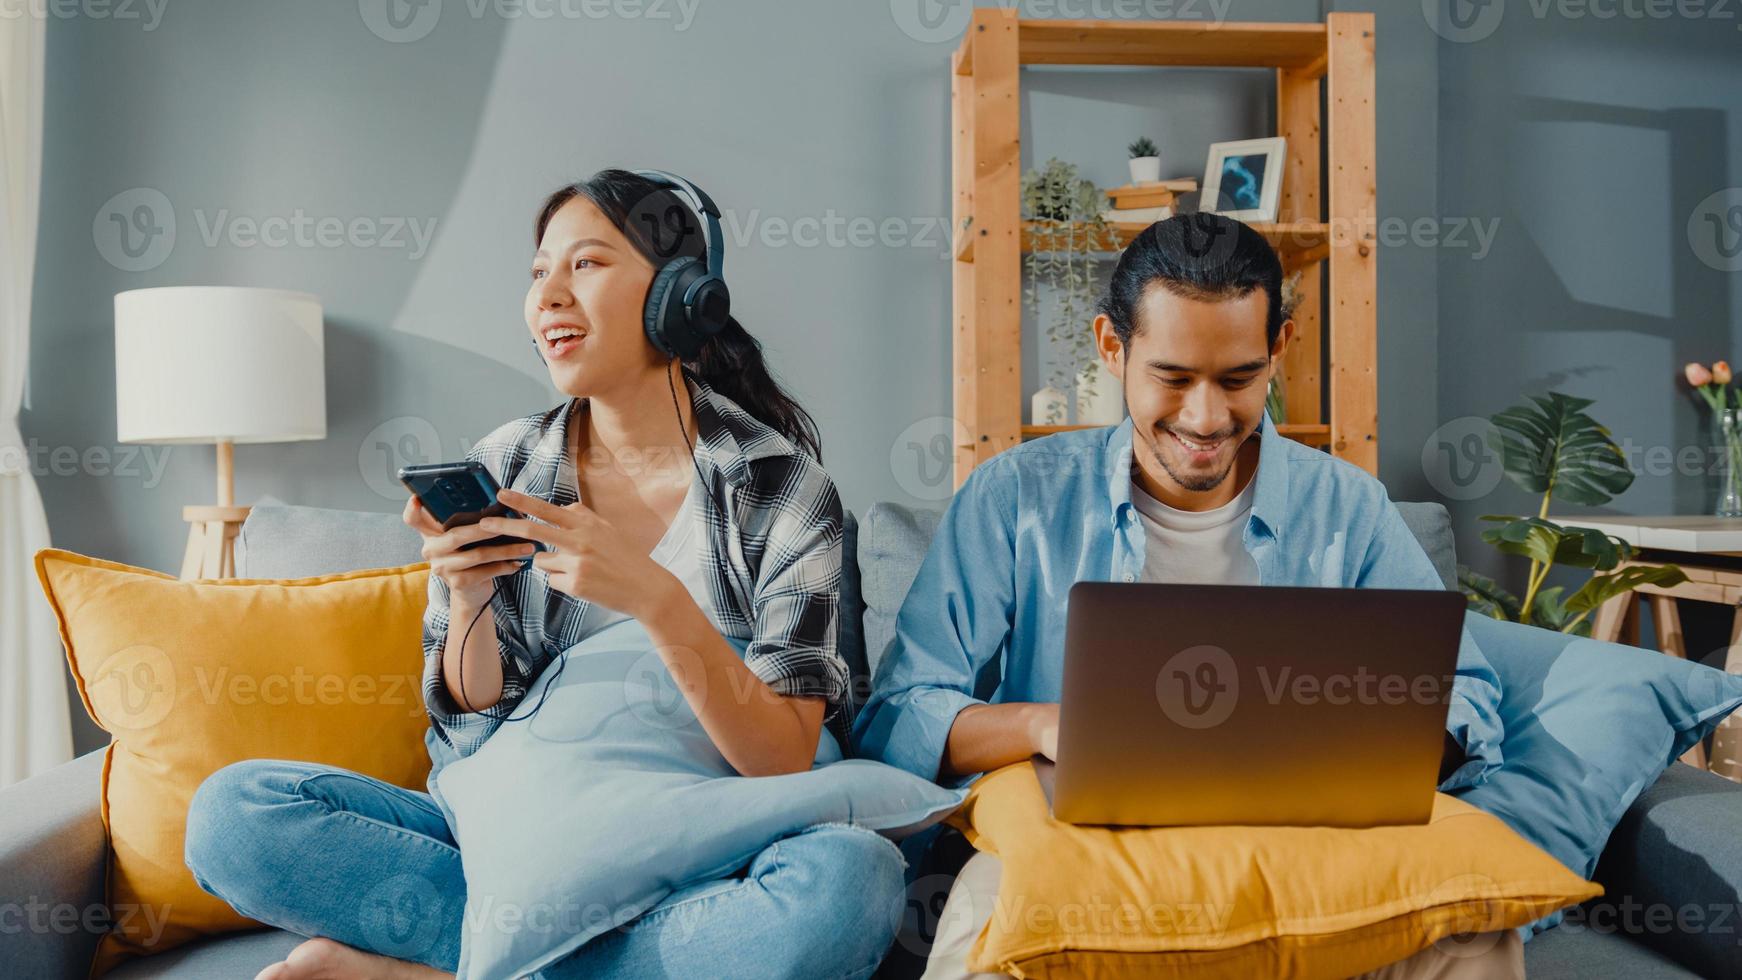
[1721,372]
[1697,375]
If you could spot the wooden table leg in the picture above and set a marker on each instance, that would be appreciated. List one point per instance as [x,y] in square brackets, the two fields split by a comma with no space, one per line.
[1612,615]
[1668,622]
[1727,738]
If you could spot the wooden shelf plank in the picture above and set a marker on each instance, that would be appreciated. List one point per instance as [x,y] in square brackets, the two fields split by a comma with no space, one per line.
[1298,121]
[991,367]
[1297,243]
[1177,42]
[1312,434]
[1350,94]
[1307,432]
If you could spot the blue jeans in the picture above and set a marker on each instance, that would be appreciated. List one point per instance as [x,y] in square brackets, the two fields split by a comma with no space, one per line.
[322,851]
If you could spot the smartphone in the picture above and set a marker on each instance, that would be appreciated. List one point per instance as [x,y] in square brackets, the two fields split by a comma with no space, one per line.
[461,493]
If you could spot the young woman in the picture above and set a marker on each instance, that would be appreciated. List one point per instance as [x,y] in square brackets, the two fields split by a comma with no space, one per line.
[687,495]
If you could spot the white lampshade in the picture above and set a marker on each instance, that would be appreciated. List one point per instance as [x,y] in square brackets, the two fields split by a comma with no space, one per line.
[219,364]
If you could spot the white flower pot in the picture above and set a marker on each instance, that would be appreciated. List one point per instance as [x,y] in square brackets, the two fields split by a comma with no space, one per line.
[1106,406]
[1145,170]
[1049,407]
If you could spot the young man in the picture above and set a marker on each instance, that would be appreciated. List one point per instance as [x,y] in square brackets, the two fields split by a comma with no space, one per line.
[1195,486]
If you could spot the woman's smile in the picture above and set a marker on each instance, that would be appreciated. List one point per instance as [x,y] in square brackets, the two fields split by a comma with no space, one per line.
[561,339]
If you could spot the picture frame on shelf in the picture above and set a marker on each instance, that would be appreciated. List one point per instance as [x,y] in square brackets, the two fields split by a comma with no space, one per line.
[1243,179]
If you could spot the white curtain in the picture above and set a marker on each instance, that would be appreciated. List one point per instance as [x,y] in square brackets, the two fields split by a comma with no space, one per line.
[35,733]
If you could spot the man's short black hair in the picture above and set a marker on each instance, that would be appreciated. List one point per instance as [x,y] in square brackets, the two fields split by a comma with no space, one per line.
[1199,256]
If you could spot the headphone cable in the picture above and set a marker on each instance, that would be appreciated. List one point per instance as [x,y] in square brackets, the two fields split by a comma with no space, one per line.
[670,383]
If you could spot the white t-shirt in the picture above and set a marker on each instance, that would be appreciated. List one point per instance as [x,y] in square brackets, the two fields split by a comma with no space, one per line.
[680,552]
[1198,547]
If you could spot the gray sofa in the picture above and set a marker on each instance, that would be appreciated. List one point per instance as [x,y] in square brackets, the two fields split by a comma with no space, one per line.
[1673,868]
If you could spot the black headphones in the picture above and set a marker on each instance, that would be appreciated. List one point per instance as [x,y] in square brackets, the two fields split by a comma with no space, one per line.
[688,301]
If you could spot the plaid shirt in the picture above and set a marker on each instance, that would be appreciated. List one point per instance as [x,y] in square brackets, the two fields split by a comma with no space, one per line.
[780,535]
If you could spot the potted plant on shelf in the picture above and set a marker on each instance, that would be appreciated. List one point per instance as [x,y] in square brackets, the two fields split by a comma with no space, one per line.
[1553,448]
[1713,384]
[1145,161]
[1063,212]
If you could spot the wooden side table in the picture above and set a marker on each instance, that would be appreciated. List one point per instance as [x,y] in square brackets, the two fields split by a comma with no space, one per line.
[1709,550]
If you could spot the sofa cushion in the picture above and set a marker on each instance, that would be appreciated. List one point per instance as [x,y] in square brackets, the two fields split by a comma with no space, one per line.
[851,623]
[52,855]
[619,754]
[192,676]
[1676,851]
[241,954]
[1432,527]
[1568,953]
[1228,901]
[1589,725]
[284,541]
[891,544]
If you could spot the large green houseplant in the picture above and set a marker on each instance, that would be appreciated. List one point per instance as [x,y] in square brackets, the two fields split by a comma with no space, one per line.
[1551,447]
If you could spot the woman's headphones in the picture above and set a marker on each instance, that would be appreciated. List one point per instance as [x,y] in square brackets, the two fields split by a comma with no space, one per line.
[688,301]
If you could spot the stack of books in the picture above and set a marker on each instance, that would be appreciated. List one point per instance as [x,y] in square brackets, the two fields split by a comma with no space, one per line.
[1146,203]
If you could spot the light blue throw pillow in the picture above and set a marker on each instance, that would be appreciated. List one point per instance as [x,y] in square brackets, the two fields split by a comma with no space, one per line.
[611,796]
[1589,726]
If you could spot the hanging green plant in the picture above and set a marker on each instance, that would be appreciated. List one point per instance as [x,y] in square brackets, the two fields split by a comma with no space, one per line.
[1066,230]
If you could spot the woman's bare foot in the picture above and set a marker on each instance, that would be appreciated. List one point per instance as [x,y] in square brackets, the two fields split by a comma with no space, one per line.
[324,959]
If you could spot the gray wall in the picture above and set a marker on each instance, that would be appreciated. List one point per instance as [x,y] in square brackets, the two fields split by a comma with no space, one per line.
[785,111]
[1594,143]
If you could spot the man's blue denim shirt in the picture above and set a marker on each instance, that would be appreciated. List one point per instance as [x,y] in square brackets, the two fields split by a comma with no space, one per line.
[1036,519]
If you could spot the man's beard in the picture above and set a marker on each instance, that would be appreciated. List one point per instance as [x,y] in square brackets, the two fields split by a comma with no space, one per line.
[1196,484]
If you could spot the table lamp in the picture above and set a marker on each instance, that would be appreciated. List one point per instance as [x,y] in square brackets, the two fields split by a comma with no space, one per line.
[221,365]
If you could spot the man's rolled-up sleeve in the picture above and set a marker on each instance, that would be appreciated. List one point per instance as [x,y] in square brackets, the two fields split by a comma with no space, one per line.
[957,616]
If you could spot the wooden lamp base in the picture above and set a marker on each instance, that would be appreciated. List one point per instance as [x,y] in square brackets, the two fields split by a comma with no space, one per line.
[212,530]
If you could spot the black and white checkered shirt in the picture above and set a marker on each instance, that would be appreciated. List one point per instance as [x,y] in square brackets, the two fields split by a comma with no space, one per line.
[780,536]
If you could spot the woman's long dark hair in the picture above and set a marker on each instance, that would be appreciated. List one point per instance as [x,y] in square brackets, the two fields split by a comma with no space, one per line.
[731,361]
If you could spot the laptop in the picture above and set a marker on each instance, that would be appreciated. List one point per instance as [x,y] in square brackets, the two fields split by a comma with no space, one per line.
[1191,705]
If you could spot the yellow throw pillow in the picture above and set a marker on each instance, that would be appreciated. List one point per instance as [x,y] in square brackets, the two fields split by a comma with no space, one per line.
[189,677]
[1238,902]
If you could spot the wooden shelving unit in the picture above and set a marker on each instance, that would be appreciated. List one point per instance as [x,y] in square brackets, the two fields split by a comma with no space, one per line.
[1332,61]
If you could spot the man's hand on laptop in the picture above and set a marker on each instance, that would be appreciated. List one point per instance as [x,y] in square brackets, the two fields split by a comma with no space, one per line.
[985,737]
[1043,731]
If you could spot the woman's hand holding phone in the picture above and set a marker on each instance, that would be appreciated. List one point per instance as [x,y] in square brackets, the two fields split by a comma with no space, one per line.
[586,556]
[470,573]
